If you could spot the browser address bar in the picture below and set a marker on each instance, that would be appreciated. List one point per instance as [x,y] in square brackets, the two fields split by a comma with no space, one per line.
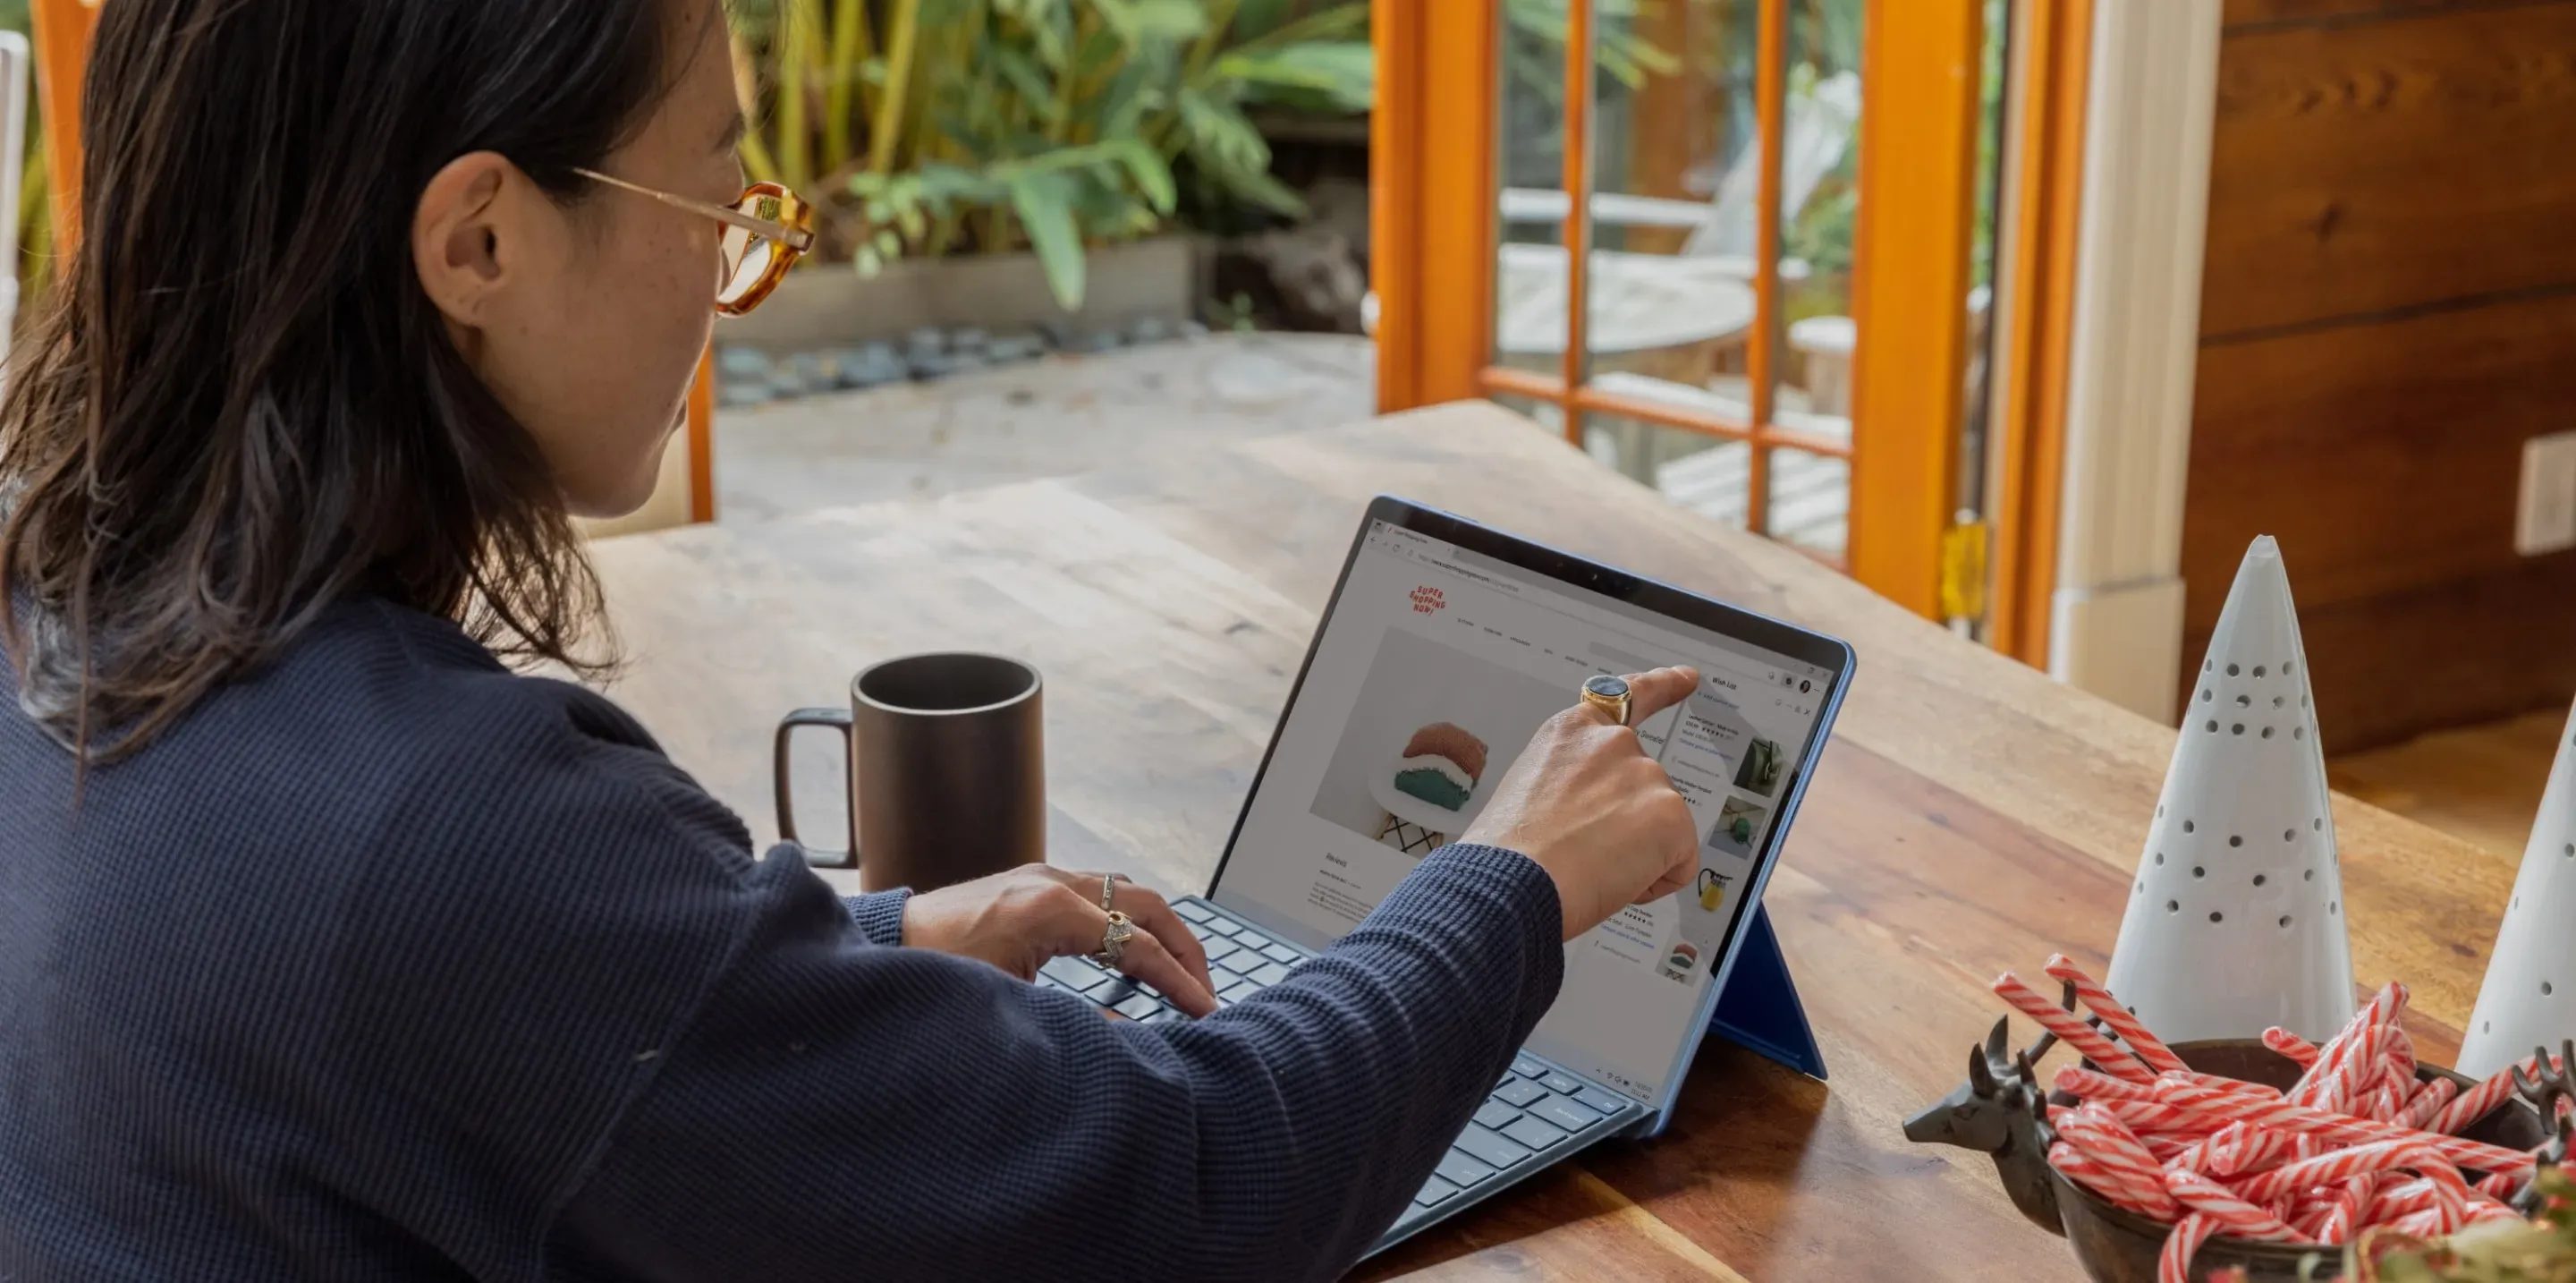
[1746,671]
[1708,664]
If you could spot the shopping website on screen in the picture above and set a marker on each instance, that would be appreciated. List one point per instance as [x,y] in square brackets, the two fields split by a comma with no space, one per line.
[1436,668]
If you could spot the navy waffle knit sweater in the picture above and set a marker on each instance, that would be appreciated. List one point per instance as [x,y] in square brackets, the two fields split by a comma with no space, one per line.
[388,963]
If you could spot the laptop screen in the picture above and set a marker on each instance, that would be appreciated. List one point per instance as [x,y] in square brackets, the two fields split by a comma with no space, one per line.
[1434,668]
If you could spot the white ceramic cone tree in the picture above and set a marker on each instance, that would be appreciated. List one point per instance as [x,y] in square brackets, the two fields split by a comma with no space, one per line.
[2529,998]
[2235,919]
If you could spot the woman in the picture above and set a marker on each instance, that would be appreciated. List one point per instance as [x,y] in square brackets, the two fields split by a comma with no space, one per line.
[330,948]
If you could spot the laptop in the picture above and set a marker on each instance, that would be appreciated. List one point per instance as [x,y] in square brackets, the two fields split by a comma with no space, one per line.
[1444,646]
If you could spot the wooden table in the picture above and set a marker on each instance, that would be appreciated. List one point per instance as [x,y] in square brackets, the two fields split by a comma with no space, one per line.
[1970,815]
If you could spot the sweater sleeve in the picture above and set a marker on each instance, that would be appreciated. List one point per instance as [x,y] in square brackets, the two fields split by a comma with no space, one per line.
[880,914]
[836,1109]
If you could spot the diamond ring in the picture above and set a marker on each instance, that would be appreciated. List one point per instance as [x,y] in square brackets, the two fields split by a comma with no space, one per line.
[1113,940]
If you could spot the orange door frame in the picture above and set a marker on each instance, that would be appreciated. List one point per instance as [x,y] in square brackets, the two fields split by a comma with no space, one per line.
[1433,166]
[1431,181]
[62,31]
[2056,51]
[1921,64]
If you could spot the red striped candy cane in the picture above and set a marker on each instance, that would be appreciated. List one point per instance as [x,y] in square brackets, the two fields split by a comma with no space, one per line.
[2221,1082]
[2173,1265]
[2310,1220]
[2483,1099]
[2400,1198]
[2428,1101]
[2385,1104]
[2438,1189]
[2337,1051]
[2238,1148]
[2164,1147]
[2236,1217]
[2092,1086]
[2330,1054]
[2343,1164]
[2291,1045]
[2207,1152]
[2344,1220]
[2070,1029]
[2146,1116]
[2491,1212]
[2115,1188]
[2335,1127]
[2432,1222]
[2118,1019]
[2106,1141]
[2344,1089]
[2262,1149]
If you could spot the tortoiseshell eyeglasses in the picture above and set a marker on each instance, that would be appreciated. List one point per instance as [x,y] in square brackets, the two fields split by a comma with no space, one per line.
[765,232]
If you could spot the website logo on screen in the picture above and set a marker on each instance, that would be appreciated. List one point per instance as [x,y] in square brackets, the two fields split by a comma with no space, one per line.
[1427,600]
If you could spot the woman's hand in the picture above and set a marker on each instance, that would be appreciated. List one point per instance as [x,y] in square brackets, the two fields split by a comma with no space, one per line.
[1020,919]
[1586,804]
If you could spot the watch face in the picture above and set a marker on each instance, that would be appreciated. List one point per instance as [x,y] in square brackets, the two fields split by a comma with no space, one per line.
[1607,687]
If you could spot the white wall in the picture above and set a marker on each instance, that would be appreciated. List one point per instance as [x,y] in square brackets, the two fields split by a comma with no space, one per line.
[2115,625]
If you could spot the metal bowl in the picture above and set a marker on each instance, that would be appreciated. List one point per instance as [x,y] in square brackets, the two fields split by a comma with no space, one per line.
[2119,1246]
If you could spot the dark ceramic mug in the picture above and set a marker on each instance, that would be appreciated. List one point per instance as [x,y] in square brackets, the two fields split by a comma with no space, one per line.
[947,757]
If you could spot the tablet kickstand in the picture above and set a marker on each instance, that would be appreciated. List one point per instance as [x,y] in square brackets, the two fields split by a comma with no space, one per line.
[1759,1010]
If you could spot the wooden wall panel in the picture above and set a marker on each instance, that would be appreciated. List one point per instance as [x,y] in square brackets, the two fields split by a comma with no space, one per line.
[2365,166]
[2248,13]
[2388,313]
[2472,649]
[2385,458]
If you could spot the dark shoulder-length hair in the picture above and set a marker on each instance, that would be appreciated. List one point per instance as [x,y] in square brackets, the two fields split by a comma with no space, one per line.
[240,406]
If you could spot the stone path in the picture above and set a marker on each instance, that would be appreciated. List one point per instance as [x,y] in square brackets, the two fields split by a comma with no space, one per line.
[1062,414]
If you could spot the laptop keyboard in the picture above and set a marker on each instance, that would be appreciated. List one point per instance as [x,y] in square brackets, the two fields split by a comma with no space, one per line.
[1535,1110]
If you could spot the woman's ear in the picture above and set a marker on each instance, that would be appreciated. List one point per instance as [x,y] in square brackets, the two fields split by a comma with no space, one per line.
[462,242]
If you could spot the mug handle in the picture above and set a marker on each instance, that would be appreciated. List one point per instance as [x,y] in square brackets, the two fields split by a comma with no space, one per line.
[837,719]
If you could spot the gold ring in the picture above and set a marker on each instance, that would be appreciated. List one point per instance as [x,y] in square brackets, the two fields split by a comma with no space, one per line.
[1114,938]
[1609,694]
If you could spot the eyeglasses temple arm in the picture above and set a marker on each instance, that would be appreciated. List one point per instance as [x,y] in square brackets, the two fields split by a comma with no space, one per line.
[800,241]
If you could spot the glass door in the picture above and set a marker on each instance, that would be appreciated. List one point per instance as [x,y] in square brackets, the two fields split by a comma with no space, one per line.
[1730,248]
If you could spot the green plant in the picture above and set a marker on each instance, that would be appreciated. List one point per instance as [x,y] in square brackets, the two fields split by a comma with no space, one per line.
[1618,51]
[945,126]
[1821,231]
[1825,36]
[35,258]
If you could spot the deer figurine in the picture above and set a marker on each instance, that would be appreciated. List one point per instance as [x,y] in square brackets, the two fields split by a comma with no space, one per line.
[2000,1111]
[2548,1089]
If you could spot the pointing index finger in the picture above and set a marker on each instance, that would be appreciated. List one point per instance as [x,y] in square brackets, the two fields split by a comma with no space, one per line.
[1652,693]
